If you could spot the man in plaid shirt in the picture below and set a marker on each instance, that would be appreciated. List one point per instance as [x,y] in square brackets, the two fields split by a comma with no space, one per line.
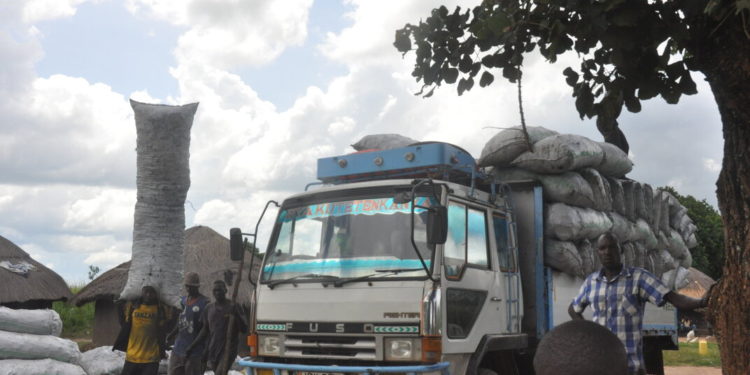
[618,294]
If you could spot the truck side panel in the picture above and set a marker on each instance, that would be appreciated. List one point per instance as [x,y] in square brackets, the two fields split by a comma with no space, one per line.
[529,217]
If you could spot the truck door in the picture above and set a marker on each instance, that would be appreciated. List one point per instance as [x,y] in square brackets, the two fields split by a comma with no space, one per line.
[472,309]
[507,279]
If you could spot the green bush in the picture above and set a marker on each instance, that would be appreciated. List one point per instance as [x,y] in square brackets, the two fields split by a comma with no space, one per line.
[77,322]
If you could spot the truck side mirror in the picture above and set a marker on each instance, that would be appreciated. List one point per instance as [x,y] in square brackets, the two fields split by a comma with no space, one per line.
[437,225]
[236,247]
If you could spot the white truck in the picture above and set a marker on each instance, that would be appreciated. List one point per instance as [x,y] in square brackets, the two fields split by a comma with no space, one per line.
[411,261]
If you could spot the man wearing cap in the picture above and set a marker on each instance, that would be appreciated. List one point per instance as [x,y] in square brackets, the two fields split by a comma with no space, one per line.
[189,324]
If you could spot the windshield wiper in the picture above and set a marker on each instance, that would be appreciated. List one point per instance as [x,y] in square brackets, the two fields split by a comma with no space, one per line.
[380,274]
[274,283]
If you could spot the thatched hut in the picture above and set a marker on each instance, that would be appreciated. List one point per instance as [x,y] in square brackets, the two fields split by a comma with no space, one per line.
[698,284]
[26,283]
[206,252]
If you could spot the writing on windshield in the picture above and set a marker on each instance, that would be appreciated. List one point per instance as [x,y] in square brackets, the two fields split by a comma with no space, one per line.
[355,207]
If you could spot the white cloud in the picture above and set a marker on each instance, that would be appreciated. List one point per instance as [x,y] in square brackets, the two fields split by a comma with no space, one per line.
[43,10]
[342,125]
[231,33]
[110,210]
[712,165]
[107,258]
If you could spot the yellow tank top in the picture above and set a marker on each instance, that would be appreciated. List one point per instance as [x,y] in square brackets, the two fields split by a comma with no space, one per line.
[143,343]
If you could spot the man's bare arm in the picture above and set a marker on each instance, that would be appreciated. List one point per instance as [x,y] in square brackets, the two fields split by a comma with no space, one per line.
[684,302]
[573,314]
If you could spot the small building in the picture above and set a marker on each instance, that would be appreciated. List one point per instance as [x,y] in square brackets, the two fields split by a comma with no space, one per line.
[206,252]
[26,283]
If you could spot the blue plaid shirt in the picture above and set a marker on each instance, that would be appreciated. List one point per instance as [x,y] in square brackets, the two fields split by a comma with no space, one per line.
[618,304]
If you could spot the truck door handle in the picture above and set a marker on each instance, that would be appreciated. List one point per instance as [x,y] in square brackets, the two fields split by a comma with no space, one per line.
[496,299]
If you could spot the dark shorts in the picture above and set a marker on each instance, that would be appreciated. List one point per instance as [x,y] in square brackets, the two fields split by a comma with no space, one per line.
[131,368]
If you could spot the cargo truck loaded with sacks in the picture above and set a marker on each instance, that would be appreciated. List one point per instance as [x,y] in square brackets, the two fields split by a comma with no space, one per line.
[414,258]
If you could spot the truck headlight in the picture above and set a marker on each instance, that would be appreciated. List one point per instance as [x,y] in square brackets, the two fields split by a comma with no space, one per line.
[402,349]
[269,345]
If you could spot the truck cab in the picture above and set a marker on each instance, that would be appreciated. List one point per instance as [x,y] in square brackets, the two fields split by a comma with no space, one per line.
[405,261]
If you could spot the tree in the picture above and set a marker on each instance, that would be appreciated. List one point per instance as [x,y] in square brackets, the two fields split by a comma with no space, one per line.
[93,271]
[708,256]
[630,50]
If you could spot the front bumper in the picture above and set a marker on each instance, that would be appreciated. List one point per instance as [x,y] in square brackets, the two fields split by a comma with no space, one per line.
[286,368]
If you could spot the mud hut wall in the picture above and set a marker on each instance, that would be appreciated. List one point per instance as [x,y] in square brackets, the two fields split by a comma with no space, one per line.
[106,323]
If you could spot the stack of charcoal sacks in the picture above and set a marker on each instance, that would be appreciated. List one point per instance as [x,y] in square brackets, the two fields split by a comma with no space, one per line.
[30,344]
[586,194]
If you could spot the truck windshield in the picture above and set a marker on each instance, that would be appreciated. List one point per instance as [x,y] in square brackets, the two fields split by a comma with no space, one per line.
[347,239]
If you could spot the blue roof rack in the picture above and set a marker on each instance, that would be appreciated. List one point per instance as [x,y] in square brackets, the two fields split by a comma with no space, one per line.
[435,160]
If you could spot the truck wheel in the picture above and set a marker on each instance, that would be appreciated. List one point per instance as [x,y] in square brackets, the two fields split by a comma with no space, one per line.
[484,371]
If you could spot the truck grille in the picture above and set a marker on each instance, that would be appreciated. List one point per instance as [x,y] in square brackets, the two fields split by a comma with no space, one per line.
[326,347]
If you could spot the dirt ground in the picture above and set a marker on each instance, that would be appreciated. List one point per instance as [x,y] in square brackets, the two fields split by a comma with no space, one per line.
[690,370]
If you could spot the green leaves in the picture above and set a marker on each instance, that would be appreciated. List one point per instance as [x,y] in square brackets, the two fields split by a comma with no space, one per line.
[465,85]
[631,50]
[571,77]
[402,41]
[486,79]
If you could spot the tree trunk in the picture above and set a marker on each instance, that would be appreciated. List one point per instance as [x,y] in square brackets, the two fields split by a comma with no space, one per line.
[725,60]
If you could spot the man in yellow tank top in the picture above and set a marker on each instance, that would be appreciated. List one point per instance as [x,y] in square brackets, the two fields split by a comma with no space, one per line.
[142,338]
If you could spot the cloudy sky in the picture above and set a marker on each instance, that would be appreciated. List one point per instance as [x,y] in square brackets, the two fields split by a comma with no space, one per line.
[280,84]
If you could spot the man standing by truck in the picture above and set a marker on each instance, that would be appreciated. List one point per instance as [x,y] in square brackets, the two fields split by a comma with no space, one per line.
[215,320]
[617,294]
[188,325]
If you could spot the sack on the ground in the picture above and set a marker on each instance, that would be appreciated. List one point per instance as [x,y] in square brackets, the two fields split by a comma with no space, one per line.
[163,153]
[507,144]
[599,187]
[567,223]
[38,322]
[103,361]
[563,256]
[29,346]
[615,162]
[560,153]
[38,367]
[569,188]
[382,142]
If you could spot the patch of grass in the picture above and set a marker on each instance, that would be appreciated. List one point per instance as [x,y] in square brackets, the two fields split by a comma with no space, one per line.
[688,356]
[78,322]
